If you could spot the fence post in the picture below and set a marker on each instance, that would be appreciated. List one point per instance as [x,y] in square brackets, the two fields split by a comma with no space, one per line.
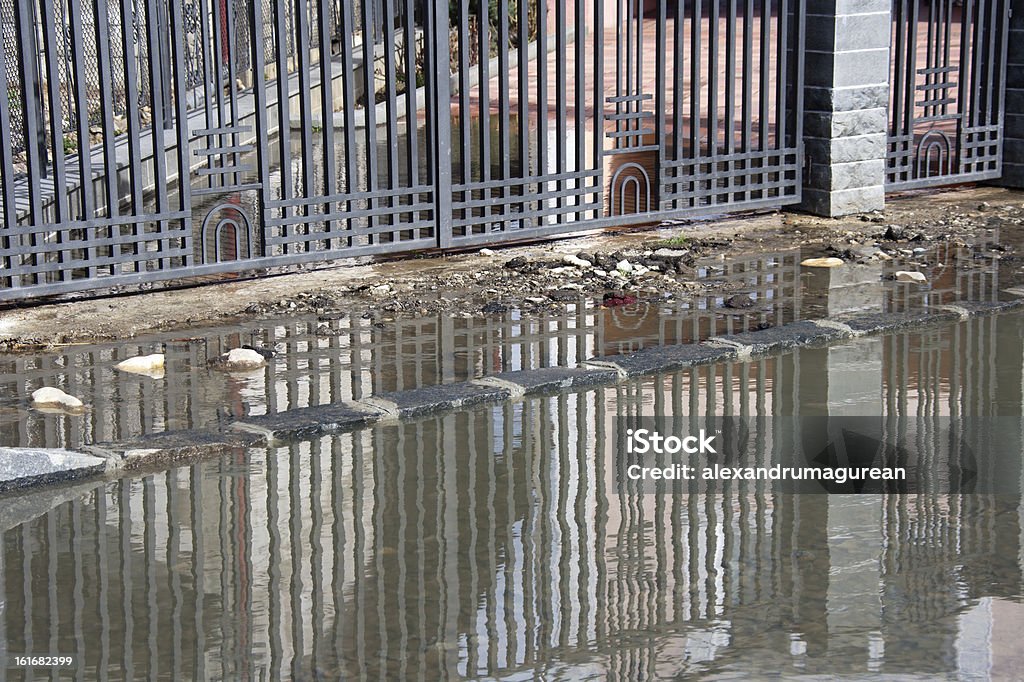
[846,93]
[1013,116]
[437,42]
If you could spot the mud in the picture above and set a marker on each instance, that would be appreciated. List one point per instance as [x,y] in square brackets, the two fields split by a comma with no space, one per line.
[664,262]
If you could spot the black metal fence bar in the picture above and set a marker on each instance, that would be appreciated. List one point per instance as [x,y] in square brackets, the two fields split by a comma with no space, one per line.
[211,143]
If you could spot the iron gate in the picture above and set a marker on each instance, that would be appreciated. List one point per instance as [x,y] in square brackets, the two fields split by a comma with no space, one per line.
[249,134]
[947,87]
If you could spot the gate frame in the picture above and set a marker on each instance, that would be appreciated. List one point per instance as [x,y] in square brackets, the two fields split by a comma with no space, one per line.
[440,146]
[988,55]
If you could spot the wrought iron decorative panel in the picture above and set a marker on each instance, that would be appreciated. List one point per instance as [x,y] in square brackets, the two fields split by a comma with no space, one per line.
[946,91]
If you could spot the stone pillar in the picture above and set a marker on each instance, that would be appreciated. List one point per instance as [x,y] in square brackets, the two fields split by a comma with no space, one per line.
[1013,121]
[846,95]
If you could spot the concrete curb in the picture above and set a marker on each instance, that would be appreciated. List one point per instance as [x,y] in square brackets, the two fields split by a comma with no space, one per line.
[311,422]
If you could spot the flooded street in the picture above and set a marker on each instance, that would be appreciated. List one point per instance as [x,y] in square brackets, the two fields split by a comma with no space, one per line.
[532,340]
[495,541]
[332,357]
[492,543]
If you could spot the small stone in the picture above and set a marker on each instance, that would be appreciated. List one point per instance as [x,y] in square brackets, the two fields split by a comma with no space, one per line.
[564,295]
[576,261]
[493,307]
[486,252]
[148,365]
[267,353]
[583,255]
[739,301]
[894,233]
[829,262]
[241,360]
[624,266]
[517,263]
[380,290]
[670,254]
[909,276]
[49,398]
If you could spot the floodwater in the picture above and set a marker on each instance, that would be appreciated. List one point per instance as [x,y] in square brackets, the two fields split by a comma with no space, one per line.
[490,543]
[329,358]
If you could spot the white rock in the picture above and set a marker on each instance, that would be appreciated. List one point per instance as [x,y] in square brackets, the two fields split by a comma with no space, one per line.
[670,253]
[909,276]
[149,365]
[624,266]
[241,360]
[486,252]
[55,399]
[822,262]
[570,259]
[381,290]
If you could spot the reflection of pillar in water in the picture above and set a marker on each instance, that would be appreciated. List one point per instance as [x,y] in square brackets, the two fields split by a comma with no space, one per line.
[847,289]
[854,372]
[838,578]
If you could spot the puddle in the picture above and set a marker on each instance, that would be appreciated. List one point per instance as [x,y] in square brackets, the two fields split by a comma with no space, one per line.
[490,543]
[322,360]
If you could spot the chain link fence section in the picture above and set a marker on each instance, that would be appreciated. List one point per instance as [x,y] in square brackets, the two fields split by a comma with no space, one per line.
[12,80]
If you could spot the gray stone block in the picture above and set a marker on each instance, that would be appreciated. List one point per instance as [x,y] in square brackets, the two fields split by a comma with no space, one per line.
[1013,148]
[834,177]
[847,69]
[829,98]
[842,202]
[842,7]
[877,323]
[847,149]
[863,32]
[553,379]
[669,358]
[862,67]
[428,400]
[846,123]
[310,422]
[173,447]
[797,334]
[25,467]
[1013,175]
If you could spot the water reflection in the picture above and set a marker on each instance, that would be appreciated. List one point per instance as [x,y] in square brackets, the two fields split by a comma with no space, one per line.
[324,359]
[491,543]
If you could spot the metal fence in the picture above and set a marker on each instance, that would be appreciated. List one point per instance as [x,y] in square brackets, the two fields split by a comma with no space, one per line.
[946,95]
[235,146]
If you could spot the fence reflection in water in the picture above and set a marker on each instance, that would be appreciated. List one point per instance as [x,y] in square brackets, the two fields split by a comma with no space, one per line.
[324,359]
[492,541]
